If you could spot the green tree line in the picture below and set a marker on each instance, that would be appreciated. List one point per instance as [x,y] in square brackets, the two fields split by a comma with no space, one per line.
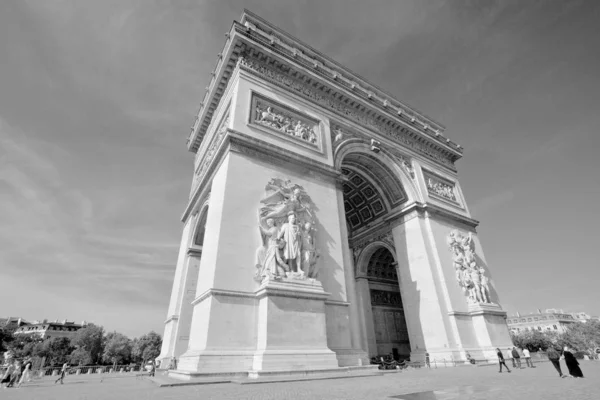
[584,338]
[90,345]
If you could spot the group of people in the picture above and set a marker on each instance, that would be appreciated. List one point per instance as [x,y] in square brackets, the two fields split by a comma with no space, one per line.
[553,355]
[16,373]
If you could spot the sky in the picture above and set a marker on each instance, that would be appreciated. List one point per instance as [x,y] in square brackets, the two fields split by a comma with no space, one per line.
[97,99]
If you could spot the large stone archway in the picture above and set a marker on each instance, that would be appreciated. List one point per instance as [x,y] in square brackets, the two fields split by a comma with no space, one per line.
[317,181]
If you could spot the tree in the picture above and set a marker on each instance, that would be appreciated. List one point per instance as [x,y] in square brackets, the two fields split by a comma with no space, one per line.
[22,345]
[147,347]
[80,357]
[581,336]
[117,348]
[57,350]
[90,339]
[531,340]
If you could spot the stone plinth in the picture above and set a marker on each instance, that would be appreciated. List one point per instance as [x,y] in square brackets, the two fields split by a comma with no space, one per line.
[292,334]
[489,323]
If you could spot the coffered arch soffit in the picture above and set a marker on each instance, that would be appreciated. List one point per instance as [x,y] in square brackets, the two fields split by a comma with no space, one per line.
[382,167]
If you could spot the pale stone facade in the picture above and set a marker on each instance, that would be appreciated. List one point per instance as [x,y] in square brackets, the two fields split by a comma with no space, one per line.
[390,261]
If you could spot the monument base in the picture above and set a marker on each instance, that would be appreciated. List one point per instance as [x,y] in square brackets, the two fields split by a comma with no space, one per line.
[292,334]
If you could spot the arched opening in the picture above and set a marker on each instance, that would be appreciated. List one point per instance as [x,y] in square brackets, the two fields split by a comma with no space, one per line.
[371,191]
[389,323]
[200,229]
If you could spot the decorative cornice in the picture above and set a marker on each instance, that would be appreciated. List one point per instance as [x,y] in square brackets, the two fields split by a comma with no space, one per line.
[337,303]
[224,293]
[242,143]
[265,40]
[194,251]
[401,135]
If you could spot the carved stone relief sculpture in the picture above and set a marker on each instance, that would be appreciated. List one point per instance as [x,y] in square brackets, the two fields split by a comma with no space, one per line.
[439,188]
[275,117]
[469,275]
[286,224]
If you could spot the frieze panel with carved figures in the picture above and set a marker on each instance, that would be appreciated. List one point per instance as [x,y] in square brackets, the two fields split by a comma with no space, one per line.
[286,222]
[288,123]
[440,188]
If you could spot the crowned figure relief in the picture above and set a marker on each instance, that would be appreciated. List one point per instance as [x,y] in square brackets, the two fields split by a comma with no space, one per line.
[469,275]
[286,224]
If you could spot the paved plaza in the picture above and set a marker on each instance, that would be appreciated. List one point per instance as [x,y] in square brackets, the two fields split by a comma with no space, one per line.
[450,383]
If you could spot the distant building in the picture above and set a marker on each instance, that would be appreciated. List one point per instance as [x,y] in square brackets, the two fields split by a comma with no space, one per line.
[585,317]
[553,319]
[12,322]
[47,330]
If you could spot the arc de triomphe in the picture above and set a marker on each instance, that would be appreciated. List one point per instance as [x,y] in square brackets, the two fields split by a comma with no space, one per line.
[325,225]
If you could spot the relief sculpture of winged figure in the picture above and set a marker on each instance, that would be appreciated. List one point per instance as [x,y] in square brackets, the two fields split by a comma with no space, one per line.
[287,228]
[285,197]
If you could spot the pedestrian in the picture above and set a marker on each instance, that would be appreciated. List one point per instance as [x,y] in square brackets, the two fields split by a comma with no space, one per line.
[572,363]
[516,357]
[7,375]
[554,358]
[152,368]
[26,375]
[501,361]
[527,357]
[63,371]
[510,357]
[15,375]
[427,360]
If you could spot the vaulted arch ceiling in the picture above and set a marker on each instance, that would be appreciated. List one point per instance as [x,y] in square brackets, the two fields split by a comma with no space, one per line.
[363,202]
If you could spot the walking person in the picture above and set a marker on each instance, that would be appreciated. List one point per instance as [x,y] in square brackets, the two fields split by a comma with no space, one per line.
[26,375]
[572,363]
[15,375]
[7,375]
[427,360]
[554,358]
[501,361]
[63,371]
[510,357]
[151,368]
[516,357]
[527,357]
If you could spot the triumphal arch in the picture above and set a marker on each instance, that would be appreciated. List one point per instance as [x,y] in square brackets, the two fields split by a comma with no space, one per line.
[325,225]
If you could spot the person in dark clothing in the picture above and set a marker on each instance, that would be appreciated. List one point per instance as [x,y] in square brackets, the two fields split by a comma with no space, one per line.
[516,357]
[572,364]
[501,361]
[554,358]
[427,360]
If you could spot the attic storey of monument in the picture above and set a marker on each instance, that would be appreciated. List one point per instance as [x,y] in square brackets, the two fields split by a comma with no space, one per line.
[332,224]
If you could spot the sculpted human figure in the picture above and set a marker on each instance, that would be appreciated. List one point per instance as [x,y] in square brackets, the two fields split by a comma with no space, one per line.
[485,285]
[309,252]
[266,253]
[291,233]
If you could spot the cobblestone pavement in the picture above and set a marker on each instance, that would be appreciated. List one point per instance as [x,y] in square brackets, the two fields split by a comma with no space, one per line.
[458,383]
